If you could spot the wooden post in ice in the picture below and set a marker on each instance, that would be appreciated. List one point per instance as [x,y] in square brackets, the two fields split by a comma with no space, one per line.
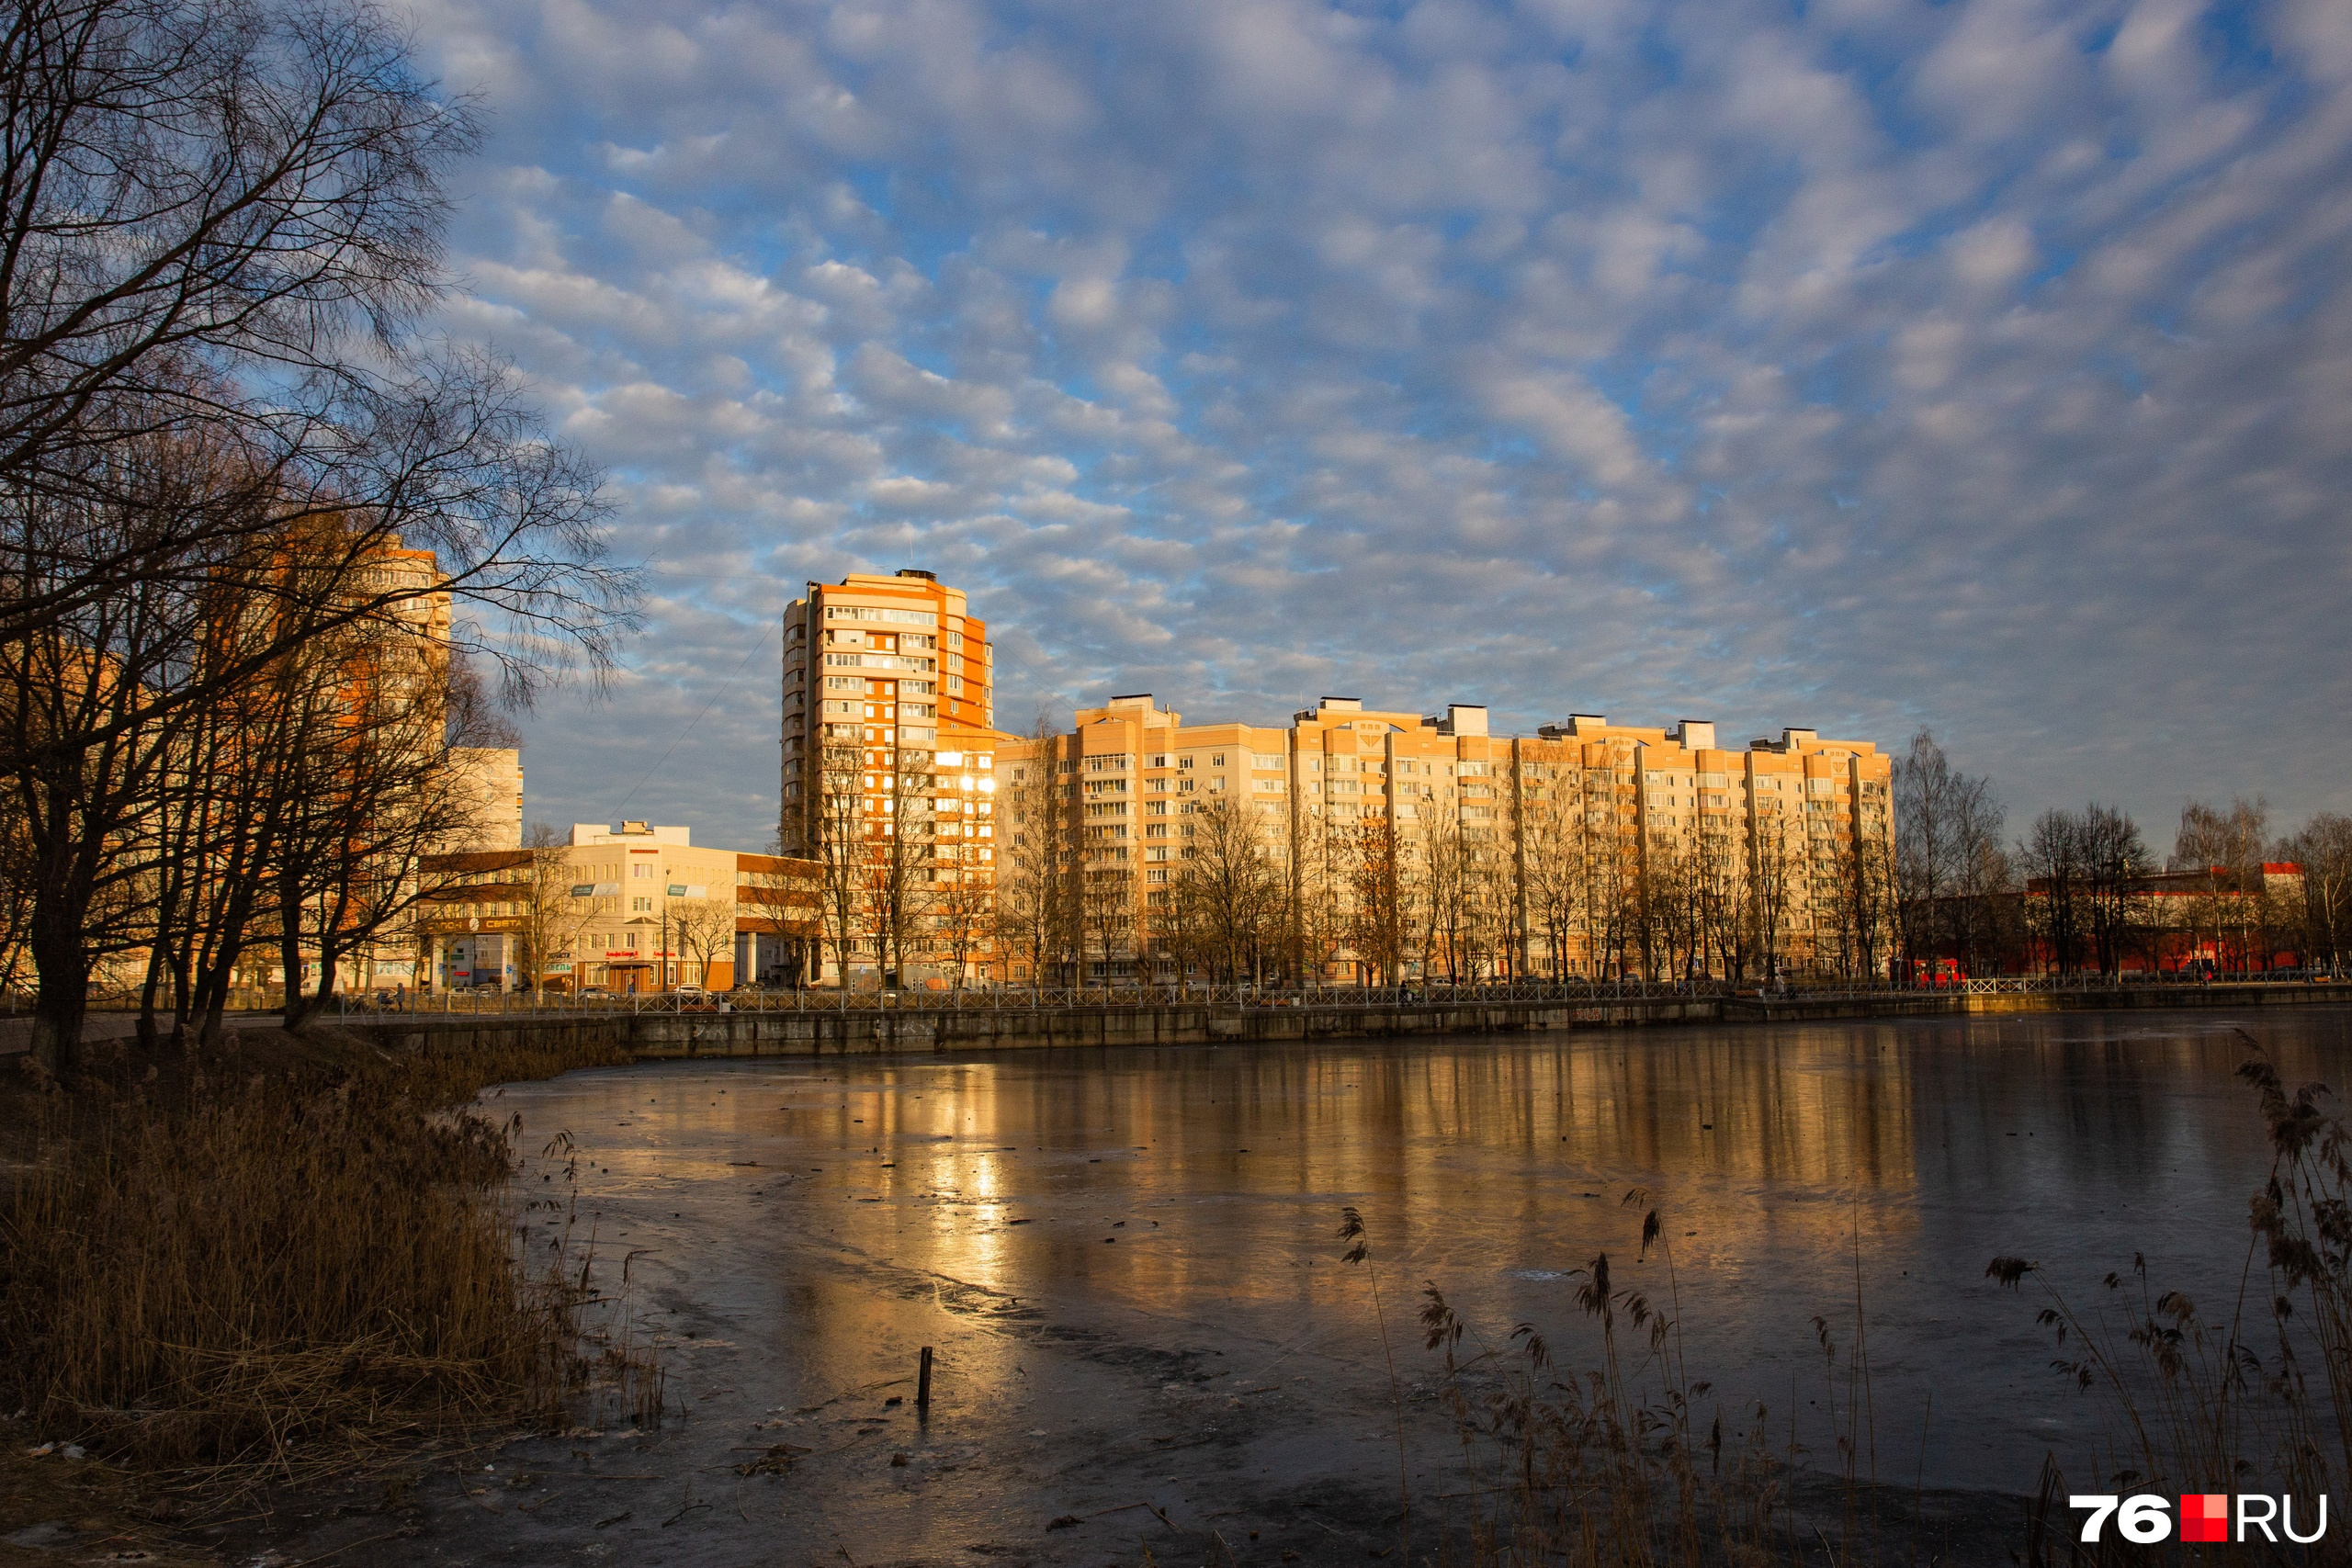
[923,1383]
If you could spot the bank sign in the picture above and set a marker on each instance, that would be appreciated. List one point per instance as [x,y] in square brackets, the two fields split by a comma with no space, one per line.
[2145,1518]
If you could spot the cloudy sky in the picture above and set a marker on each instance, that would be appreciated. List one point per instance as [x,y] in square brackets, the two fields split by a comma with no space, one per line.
[1863,363]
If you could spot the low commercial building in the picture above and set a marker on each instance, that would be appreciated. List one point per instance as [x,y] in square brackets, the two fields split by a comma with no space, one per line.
[637,907]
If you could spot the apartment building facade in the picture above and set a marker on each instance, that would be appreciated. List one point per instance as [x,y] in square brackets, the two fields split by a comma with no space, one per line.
[1587,848]
[889,776]
[1404,845]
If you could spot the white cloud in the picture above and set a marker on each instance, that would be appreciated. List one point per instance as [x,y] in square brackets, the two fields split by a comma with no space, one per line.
[1984,364]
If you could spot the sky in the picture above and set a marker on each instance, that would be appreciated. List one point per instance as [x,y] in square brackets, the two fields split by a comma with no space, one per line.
[1863,364]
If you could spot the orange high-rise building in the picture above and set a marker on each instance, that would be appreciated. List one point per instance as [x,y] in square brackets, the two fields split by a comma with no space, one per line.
[889,772]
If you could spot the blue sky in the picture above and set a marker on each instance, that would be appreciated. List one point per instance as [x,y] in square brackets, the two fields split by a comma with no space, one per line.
[1984,364]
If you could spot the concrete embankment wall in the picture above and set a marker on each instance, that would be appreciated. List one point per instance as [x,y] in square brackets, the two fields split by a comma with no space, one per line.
[669,1036]
[819,1033]
[824,1031]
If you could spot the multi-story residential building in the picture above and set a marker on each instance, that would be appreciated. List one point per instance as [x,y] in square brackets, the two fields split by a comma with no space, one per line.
[888,774]
[1375,843]
[1587,848]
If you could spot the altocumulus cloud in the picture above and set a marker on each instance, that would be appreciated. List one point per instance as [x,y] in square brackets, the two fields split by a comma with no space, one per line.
[1864,363]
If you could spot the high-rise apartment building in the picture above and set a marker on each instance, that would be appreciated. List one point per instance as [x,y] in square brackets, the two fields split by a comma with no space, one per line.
[889,777]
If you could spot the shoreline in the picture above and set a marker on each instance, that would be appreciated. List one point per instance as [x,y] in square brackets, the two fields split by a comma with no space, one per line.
[825,1031]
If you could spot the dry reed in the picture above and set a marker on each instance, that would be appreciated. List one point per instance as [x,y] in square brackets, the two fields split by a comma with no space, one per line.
[1612,1466]
[244,1281]
[2255,1400]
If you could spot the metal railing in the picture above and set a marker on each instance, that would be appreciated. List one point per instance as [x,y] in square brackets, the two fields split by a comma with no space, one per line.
[1081,998]
[359,1007]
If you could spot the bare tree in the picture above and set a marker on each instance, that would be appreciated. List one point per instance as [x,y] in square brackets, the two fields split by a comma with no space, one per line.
[1720,864]
[1940,842]
[2324,849]
[220,218]
[2222,851]
[705,933]
[1234,886]
[2114,858]
[2055,862]
[1550,828]
[781,898]
[1032,916]
[1776,881]
[1612,874]
[1377,920]
[554,911]
[216,429]
[904,875]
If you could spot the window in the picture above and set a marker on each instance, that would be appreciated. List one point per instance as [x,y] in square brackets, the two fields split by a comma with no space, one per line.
[1217,761]
[1269,786]
[1185,761]
[1157,760]
[870,613]
[1108,762]
[641,905]
[1260,760]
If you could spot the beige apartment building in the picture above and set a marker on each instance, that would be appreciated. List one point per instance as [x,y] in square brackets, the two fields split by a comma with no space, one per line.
[1385,843]
[889,776]
[1587,848]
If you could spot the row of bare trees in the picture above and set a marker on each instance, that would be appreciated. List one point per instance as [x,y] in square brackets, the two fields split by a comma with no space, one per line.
[2083,890]
[1553,881]
[906,890]
[266,550]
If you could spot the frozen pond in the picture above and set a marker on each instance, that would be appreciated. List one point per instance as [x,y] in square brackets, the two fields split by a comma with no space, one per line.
[1124,1259]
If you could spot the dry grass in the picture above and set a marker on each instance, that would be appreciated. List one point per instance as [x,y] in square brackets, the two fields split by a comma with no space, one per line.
[2254,1399]
[1616,1466]
[243,1279]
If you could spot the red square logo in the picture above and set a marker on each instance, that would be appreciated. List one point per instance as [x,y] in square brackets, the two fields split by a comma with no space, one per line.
[2205,1515]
